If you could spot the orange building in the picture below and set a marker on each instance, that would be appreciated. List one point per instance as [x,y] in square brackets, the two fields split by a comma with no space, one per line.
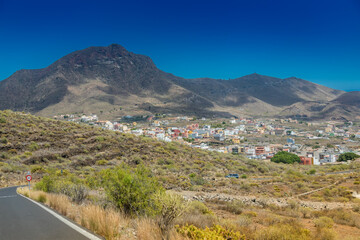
[259,150]
[306,161]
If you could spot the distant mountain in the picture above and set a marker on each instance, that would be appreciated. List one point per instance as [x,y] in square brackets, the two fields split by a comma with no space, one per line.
[349,98]
[344,107]
[113,82]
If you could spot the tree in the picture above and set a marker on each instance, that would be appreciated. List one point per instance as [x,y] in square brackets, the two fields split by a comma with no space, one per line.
[285,157]
[347,156]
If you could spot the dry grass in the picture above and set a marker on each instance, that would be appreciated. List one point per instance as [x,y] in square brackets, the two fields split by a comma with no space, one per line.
[61,204]
[148,229]
[105,222]
[36,195]
[108,223]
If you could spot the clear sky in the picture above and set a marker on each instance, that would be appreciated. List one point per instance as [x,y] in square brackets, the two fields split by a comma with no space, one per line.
[317,40]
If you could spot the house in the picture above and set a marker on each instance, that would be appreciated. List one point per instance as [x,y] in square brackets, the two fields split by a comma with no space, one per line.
[327,158]
[290,141]
[219,137]
[259,150]
[306,161]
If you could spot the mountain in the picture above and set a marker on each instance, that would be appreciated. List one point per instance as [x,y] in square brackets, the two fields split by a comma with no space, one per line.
[113,82]
[344,107]
[99,79]
[349,99]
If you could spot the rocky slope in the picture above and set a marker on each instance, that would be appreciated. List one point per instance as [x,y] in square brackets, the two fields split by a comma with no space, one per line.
[115,82]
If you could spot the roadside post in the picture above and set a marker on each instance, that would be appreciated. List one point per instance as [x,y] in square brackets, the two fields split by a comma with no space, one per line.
[28,178]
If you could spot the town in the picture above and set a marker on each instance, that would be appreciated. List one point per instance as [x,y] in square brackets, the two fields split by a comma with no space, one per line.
[316,143]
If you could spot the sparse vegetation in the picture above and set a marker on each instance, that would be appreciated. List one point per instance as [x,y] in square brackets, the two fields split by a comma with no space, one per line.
[126,187]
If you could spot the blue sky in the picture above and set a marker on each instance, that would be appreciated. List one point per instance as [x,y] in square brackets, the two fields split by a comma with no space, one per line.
[317,40]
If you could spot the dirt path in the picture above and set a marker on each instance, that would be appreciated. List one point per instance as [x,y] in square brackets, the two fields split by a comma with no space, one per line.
[261,201]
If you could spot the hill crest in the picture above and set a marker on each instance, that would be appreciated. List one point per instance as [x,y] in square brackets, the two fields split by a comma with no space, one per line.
[117,82]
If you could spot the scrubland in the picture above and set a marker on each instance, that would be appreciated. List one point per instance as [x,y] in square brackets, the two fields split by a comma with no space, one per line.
[125,187]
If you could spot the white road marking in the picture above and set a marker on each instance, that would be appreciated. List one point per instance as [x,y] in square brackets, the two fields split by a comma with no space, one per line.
[64,220]
[8,196]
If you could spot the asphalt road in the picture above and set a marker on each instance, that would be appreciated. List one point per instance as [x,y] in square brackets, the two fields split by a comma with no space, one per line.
[22,219]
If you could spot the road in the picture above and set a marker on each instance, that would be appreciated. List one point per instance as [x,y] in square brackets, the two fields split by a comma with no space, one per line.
[22,219]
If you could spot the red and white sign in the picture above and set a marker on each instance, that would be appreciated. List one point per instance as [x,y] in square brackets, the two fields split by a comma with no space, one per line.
[28,177]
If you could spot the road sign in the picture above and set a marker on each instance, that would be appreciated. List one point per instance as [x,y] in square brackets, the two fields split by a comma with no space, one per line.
[28,177]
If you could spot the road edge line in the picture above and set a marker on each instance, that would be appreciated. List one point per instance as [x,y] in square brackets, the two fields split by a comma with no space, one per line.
[64,220]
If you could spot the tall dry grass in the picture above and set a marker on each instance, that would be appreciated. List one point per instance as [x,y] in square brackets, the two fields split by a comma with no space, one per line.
[148,229]
[108,223]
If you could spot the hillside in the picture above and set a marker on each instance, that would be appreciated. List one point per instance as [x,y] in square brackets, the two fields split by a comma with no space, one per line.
[35,143]
[113,82]
[344,107]
[28,142]
[268,196]
[349,98]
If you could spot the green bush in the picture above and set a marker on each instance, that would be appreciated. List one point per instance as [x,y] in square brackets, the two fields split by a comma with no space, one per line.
[102,162]
[37,168]
[131,191]
[196,179]
[285,157]
[100,139]
[347,156]
[33,146]
[47,184]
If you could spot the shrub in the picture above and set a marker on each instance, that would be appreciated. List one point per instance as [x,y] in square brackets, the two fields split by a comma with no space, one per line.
[214,233]
[33,146]
[347,156]
[283,232]
[196,179]
[235,206]
[324,222]
[131,191]
[285,157]
[4,155]
[2,120]
[47,184]
[198,207]
[326,234]
[76,192]
[37,168]
[12,151]
[169,206]
[102,162]
[100,139]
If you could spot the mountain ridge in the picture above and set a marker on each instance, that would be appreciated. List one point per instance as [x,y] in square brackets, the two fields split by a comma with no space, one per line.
[118,82]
